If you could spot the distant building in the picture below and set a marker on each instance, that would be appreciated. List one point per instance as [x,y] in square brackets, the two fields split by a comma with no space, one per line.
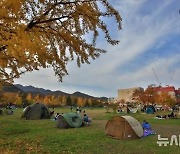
[127,94]
[170,90]
[178,95]
[167,89]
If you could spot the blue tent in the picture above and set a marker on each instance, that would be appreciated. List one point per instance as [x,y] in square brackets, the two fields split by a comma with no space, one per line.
[150,110]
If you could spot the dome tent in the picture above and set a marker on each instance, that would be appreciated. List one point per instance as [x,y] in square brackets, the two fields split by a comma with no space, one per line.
[123,127]
[69,120]
[36,111]
[150,110]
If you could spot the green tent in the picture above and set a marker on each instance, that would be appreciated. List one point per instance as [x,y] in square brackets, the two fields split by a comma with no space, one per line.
[36,111]
[69,120]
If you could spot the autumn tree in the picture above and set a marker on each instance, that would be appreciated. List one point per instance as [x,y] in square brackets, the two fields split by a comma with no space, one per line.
[24,100]
[114,106]
[99,103]
[37,98]
[139,95]
[46,100]
[147,96]
[18,100]
[170,101]
[165,99]
[74,100]
[38,34]
[29,98]
[1,94]
[55,101]
[62,100]
[122,101]
[88,102]
[80,102]
[150,95]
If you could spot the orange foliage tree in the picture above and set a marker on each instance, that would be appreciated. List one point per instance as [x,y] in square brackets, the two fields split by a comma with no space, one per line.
[37,98]
[139,95]
[80,102]
[165,99]
[46,100]
[54,101]
[89,101]
[147,96]
[38,34]
[150,95]
[1,94]
[29,98]
[18,100]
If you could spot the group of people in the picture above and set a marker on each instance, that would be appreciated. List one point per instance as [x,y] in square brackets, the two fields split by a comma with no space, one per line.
[172,115]
[9,109]
[85,117]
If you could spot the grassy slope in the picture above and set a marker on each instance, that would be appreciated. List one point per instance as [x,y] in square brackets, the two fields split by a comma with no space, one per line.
[40,136]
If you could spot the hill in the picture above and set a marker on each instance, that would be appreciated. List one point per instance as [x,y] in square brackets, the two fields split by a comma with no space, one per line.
[41,91]
[7,87]
[79,94]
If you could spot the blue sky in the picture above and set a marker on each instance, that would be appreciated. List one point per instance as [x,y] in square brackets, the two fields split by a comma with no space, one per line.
[150,38]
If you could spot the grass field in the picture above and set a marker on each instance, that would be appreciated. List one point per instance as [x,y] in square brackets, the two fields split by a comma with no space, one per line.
[41,136]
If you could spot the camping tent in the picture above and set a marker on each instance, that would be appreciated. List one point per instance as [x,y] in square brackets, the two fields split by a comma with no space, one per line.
[36,111]
[123,127]
[150,110]
[69,120]
[133,110]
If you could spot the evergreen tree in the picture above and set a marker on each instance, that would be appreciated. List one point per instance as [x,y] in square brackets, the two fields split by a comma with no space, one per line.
[69,101]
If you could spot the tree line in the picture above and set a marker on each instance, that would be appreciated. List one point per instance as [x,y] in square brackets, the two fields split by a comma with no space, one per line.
[23,99]
[151,96]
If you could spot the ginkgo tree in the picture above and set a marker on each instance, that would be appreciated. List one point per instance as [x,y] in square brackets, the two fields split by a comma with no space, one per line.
[38,34]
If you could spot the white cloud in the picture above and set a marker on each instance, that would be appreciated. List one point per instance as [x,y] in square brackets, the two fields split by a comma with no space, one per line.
[141,32]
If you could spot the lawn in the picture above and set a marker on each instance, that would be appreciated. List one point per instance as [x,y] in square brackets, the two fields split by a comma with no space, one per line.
[41,136]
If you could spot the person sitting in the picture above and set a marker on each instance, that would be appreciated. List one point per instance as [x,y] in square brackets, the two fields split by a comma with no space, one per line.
[86,119]
[56,116]
[172,115]
[161,117]
[146,126]
[77,110]
[164,116]
[80,110]
[147,129]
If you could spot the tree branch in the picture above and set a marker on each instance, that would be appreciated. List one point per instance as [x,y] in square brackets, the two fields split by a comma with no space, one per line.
[33,23]
[53,19]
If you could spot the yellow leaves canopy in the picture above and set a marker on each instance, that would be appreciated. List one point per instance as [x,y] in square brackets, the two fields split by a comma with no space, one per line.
[44,33]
